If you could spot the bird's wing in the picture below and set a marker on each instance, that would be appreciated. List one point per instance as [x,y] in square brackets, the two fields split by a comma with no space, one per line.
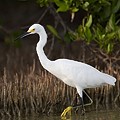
[75,73]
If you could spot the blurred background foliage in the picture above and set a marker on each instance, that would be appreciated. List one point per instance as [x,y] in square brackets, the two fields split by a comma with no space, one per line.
[100,23]
[97,21]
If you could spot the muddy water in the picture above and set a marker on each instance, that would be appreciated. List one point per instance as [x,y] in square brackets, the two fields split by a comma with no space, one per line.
[92,115]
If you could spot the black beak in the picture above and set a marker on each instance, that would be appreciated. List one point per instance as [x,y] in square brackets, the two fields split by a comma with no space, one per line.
[24,35]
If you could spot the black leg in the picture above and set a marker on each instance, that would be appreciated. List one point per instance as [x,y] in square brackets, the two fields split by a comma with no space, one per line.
[91,101]
[83,109]
[79,105]
[82,103]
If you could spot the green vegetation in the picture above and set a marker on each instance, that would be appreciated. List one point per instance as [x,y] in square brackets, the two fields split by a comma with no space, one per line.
[25,87]
[100,24]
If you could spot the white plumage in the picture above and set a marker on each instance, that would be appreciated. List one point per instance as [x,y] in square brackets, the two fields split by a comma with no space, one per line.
[72,73]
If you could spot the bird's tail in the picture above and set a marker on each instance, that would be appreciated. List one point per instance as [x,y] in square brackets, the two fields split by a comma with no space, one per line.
[109,79]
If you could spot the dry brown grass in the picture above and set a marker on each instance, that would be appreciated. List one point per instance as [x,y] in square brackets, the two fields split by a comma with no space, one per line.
[29,93]
[32,89]
[43,93]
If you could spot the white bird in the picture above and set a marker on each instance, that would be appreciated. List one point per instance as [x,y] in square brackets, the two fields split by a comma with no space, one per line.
[72,73]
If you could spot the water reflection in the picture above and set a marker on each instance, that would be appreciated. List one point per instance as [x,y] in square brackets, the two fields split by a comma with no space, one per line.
[93,115]
[99,115]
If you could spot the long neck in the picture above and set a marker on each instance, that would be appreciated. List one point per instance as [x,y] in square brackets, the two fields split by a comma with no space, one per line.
[45,62]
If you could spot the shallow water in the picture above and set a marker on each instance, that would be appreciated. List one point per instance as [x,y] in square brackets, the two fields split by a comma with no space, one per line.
[92,115]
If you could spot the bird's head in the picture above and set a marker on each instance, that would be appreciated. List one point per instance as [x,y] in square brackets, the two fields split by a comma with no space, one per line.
[35,28]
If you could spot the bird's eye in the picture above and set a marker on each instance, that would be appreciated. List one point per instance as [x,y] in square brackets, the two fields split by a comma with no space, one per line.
[32,30]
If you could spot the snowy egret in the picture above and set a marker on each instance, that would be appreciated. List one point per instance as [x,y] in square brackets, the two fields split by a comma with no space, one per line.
[72,73]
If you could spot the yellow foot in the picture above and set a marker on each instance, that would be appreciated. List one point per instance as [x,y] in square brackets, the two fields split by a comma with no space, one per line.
[67,111]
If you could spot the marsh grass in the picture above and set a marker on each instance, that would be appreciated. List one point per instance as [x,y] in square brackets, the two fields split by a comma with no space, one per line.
[31,89]
[43,93]
[33,93]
